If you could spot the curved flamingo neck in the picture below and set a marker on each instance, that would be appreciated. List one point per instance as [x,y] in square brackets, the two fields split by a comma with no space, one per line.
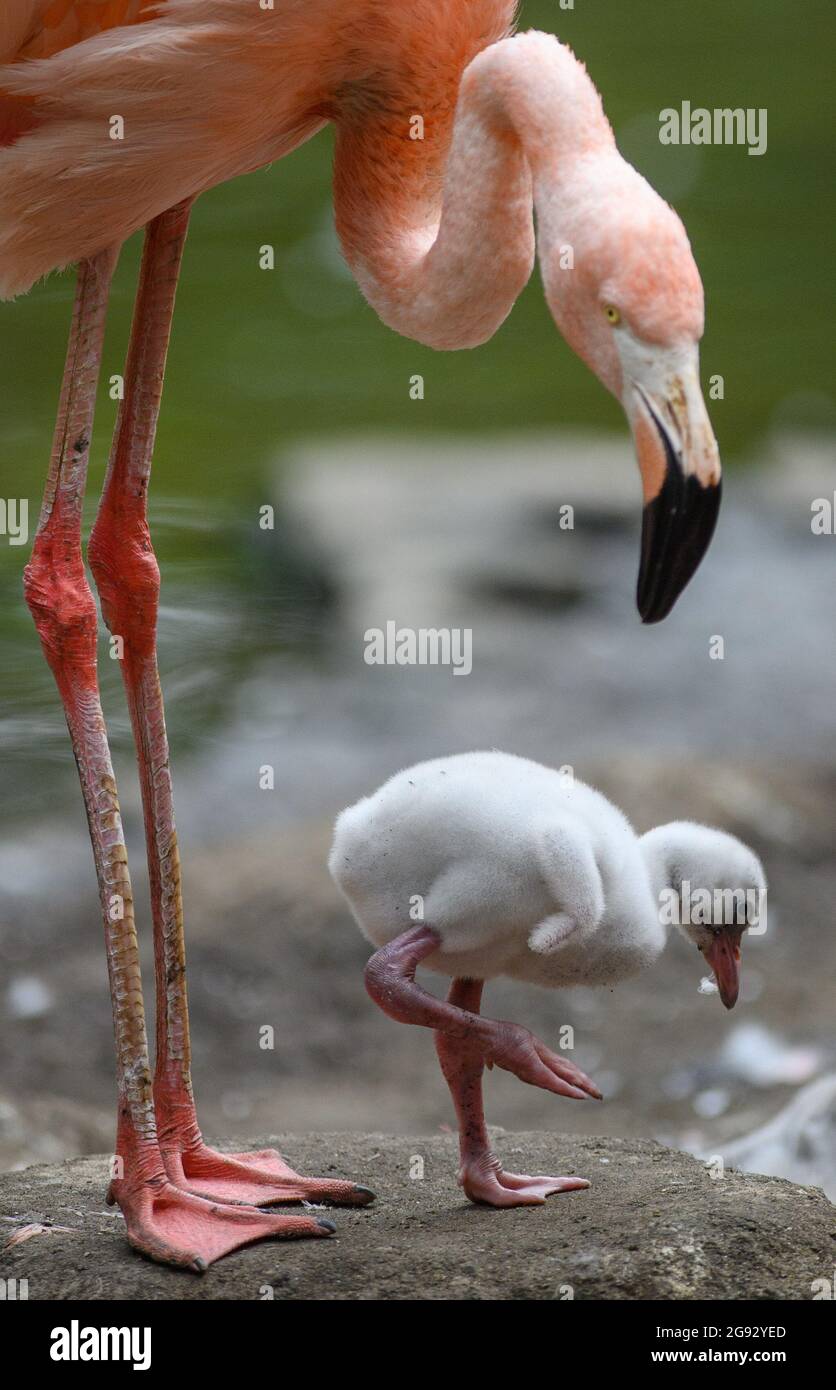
[439,231]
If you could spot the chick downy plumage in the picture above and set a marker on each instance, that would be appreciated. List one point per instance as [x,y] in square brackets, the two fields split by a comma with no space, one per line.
[521,870]
[487,864]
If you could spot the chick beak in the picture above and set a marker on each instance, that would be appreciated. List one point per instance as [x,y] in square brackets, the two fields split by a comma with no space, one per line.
[680,468]
[723,955]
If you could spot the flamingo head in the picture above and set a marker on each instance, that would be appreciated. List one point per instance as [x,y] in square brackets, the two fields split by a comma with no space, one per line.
[625,292]
[713,888]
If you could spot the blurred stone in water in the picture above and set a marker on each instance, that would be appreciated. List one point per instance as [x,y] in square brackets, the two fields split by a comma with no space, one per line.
[711,1103]
[798,1143]
[762,1058]
[28,997]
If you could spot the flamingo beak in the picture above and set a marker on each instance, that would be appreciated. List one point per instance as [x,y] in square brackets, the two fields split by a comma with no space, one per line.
[680,468]
[723,955]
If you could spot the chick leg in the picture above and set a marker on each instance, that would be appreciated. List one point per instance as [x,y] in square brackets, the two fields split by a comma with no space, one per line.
[466,1043]
[481,1174]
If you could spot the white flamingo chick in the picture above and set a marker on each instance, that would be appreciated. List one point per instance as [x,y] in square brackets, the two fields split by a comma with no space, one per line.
[487,864]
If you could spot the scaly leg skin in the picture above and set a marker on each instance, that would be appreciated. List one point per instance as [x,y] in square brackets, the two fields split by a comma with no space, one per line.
[466,1043]
[161,1221]
[128,580]
[481,1174]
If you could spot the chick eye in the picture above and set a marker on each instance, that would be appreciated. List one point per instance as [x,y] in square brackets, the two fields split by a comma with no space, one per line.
[613,316]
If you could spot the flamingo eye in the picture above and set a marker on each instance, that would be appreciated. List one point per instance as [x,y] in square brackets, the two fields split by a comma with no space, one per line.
[613,316]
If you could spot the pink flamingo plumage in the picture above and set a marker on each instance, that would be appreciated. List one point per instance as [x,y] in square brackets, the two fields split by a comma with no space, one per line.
[439,233]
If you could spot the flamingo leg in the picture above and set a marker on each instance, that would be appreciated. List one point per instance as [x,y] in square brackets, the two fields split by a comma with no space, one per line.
[128,579]
[162,1222]
[481,1174]
[466,1043]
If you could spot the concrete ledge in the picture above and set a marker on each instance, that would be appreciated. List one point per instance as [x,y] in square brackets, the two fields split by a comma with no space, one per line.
[654,1225]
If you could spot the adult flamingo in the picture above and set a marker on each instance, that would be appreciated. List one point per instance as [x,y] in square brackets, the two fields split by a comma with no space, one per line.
[439,234]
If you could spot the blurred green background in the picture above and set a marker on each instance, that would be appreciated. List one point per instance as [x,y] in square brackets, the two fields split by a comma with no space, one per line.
[259,358]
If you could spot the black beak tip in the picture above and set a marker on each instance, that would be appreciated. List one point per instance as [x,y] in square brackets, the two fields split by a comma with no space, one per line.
[677,527]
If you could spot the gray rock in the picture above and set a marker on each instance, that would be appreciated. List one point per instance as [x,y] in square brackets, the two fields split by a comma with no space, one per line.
[654,1225]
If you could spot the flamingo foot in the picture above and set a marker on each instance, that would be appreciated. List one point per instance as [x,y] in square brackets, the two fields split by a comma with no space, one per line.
[177,1228]
[517,1050]
[260,1179]
[485,1181]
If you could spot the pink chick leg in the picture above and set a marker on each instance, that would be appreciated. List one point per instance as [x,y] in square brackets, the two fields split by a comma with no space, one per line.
[481,1174]
[466,1042]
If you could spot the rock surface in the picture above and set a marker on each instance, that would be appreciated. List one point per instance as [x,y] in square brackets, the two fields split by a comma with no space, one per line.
[654,1225]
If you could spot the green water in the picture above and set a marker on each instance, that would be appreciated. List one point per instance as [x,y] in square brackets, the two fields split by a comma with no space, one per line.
[260,358]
